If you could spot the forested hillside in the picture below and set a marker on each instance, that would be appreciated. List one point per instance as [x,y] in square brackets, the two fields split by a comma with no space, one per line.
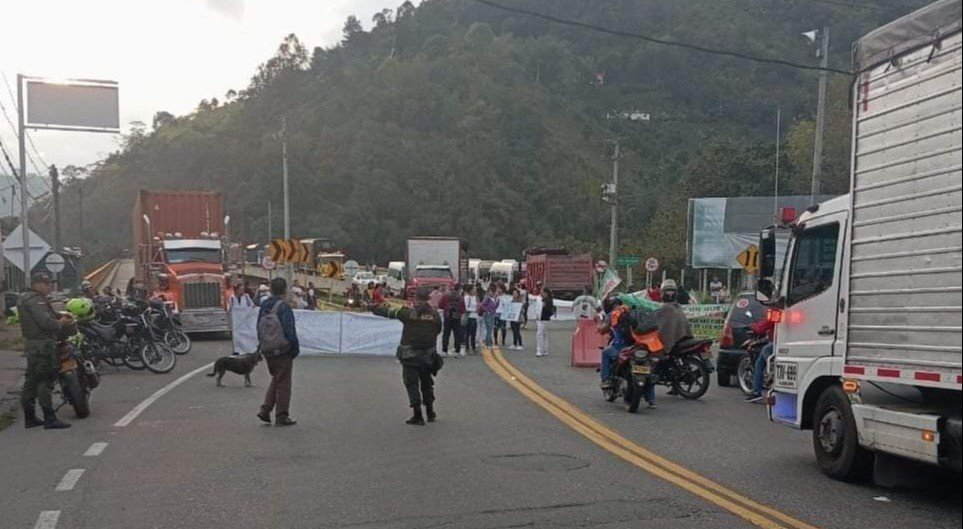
[457,118]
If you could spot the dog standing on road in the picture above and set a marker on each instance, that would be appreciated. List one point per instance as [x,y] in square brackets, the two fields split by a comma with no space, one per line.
[242,364]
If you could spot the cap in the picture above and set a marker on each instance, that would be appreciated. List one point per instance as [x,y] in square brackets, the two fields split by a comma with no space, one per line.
[39,277]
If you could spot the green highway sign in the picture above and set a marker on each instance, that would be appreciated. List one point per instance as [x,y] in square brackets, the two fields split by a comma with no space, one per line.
[628,260]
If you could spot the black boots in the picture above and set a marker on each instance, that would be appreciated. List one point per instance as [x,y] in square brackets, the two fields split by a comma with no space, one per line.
[30,419]
[430,412]
[51,422]
[416,419]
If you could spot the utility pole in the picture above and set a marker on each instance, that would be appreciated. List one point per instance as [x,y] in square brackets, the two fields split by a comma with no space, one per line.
[24,210]
[288,267]
[55,191]
[80,221]
[820,113]
[614,195]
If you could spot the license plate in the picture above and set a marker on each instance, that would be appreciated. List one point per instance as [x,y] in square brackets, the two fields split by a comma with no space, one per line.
[786,374]
[68,365]
[641,370]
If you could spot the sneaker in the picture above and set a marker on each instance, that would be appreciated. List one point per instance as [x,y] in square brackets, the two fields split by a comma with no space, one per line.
[605,384]
[416,420]
[431,415]
[650,405]
[755,399]
[285,421]
[462,354]
[265,417]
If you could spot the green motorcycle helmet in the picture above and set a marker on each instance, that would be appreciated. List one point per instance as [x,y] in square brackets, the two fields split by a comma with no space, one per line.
[81,309]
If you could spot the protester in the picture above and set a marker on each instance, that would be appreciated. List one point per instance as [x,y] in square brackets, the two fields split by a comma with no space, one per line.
[586,306]
[419,359]
[311,296]
[487,310]
[541,329]
[279,348]
[654,292]
[517,324]
[501,326]
[263,293]
[470,320]
[524,315]
[378,295]
[452,308]
[435,297]
[239,298]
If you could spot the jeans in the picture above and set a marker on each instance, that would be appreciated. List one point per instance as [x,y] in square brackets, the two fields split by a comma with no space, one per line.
[541,338]
[489,321]
[516,333]
[759,370]
[471,330]
[609,354]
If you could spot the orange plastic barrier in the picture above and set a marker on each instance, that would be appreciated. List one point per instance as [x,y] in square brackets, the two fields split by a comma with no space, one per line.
[586,341]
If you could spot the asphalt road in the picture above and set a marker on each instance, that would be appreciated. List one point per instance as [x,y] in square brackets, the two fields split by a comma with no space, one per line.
[197,457]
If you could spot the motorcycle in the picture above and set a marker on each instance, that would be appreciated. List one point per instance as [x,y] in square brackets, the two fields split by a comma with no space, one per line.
[128,341]
[687,368]
[633,371]
[77,377]
[165,327]
[746,371]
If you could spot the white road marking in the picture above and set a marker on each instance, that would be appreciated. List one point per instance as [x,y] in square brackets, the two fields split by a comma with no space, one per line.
[95,449]
[47,520]
[129,418]
[70,479]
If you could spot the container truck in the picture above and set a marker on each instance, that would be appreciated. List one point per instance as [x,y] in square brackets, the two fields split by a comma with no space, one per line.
[432,261]
[867,340]
[564,273]
[180,254]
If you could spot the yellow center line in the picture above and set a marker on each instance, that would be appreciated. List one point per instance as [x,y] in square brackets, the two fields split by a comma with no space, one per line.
[753,512]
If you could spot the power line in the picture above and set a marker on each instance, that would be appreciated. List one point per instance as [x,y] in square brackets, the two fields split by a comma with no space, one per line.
[663,42]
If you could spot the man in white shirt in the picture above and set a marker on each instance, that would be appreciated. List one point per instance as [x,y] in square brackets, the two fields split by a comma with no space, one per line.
[586,306]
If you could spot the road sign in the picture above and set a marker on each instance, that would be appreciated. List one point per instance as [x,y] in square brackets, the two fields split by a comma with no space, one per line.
[283,251]
[54,263]
[749,259]
[331,269]
[629,260]
[267,263]
[651,265]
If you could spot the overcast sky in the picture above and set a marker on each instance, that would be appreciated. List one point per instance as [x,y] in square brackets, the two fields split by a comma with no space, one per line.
[166,54]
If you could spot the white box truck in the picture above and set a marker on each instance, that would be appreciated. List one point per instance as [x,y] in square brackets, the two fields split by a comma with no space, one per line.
[868,307]
[435,261]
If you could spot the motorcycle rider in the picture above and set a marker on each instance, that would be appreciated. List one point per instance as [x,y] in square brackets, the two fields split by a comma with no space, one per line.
[40,326]
[417,352]
[761,328]
[673,323]
[614,309]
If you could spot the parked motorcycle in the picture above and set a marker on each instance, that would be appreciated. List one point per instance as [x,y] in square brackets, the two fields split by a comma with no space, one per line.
[128,340]
[77,377]
[633,371]
[687,368]
[165,327]
[746,371]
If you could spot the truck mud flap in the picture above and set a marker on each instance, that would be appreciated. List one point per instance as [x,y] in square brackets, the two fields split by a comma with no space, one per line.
[951,444]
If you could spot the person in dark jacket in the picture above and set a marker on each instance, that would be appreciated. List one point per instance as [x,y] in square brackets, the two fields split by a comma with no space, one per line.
[452,306]
[417,353]
[280,366]
[541,329]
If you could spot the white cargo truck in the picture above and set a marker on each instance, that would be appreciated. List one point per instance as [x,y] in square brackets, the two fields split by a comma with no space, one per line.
[868,307]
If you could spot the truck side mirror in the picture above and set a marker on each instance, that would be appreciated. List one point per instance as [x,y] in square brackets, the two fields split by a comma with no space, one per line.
[766,285]
[765,290]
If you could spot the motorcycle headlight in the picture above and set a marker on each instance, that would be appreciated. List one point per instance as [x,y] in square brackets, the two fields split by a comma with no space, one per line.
[641,355]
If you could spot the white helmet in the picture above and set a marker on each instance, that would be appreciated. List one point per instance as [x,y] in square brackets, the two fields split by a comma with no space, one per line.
[669,284]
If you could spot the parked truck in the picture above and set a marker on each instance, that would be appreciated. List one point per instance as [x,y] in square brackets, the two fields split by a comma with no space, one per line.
[180,254]
[564,273]
[435,261]
[868,306]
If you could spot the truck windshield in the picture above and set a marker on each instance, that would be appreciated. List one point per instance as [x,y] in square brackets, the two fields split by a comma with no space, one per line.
[193,255]
[433,273]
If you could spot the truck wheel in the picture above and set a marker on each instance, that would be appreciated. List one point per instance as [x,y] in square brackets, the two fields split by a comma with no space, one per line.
[835,440]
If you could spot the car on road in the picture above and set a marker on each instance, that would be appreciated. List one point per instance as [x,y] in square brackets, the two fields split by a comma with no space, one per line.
[362,279]
[744,312]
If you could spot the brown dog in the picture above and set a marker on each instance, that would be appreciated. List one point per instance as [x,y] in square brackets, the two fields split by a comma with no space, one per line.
[242,364]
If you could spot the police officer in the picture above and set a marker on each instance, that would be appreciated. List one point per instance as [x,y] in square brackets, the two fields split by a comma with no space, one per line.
[40,326]
[417,353]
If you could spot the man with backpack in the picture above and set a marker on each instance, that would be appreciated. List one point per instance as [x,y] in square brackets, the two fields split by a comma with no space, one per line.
[417,353]
[618,321]
[278,344]
[452,306]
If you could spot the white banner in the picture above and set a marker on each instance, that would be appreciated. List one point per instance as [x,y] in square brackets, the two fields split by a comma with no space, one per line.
[324,332]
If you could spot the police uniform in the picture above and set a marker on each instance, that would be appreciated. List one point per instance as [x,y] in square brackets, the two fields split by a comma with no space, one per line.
[418,354]
[40,325]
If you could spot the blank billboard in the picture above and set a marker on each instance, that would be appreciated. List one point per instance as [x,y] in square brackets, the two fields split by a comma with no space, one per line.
[72,106]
